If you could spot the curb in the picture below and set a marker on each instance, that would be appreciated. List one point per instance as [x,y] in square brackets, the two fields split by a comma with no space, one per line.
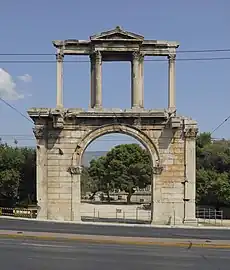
[138,241]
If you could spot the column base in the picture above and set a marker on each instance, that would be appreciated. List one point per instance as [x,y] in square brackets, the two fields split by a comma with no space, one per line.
[172,110]
[190,221]
[97,108]
[137,108]
[171,221]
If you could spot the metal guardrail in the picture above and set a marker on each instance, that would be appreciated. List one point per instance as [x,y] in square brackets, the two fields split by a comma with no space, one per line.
[139,215]
[117,215]
[18,212]
[210,216]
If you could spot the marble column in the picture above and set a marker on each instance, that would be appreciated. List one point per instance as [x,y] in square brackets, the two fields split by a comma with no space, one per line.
[92,72]
[98,80]
[59,58]
[141,80]
[135,77]
[171,82]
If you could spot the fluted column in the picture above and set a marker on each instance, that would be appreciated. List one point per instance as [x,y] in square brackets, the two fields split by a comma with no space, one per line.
[171,82]
[93,84]
[135,77]
[98,80]
[60,58]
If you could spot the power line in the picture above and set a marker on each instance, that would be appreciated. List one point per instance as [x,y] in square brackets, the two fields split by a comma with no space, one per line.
[221,124]
[178,51]
[87,61]
[13,108]
[204,51]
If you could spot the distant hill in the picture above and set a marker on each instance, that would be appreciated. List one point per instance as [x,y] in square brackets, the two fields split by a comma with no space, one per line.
[89,155]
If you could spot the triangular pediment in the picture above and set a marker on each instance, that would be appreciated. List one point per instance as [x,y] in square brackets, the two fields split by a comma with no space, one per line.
[116,35]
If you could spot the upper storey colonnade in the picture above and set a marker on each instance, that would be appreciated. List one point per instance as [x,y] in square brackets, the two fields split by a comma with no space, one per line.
[117,45]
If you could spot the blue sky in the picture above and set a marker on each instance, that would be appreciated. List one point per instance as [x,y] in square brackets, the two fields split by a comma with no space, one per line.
[203,87]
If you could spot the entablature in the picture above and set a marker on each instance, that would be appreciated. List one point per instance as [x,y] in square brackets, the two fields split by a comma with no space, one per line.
[116,41]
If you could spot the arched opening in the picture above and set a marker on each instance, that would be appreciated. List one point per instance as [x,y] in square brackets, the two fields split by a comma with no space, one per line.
[114,204]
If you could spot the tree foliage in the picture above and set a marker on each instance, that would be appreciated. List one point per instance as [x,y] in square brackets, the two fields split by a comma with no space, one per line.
[213,171]
[126,167]
[17,175]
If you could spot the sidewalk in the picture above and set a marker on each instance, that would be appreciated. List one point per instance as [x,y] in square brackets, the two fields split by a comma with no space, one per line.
[206,226]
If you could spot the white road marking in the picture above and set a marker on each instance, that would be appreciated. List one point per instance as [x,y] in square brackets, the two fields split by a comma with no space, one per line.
[45,245]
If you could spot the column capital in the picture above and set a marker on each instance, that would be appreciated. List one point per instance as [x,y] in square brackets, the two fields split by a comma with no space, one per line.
[59,57]
[75,170]
[157,169]
[39,131]
[97,56]
[92,57]
[141,57]
[191,132]
[172,57]
[136,55]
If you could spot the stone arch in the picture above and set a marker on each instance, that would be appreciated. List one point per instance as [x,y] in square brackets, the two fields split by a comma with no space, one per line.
[116,128]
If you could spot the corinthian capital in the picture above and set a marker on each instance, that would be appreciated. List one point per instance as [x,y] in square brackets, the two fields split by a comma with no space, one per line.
[98,56]
[190,132]
[60,57]
[172,57]
[39,131]
[136,55]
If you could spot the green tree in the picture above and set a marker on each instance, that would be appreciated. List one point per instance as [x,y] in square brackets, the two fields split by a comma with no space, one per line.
[27,186]
[213,167]
[99,180]
[11,160]
[126,167]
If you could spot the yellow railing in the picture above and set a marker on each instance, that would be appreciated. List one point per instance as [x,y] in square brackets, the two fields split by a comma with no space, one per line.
[18,212]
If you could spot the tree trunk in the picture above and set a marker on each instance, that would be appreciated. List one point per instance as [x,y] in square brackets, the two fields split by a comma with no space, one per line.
[108,197]
[129,197]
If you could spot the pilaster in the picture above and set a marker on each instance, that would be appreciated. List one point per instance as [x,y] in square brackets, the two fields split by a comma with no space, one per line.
[156,195]
[190,133]
[40,133]
[75,172]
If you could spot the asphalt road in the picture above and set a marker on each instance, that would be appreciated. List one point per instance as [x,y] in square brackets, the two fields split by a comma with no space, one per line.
[39,226]
[54,255]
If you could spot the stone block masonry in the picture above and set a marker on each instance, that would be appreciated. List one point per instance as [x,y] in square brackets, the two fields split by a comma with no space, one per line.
[63,134]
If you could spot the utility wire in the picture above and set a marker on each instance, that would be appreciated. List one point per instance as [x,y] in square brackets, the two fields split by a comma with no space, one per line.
[221,124]
[178,51]
[87,61]
[28,119]
[13,108]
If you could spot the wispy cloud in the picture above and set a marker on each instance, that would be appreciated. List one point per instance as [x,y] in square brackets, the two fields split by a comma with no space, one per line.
[8,88]
[25,78]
